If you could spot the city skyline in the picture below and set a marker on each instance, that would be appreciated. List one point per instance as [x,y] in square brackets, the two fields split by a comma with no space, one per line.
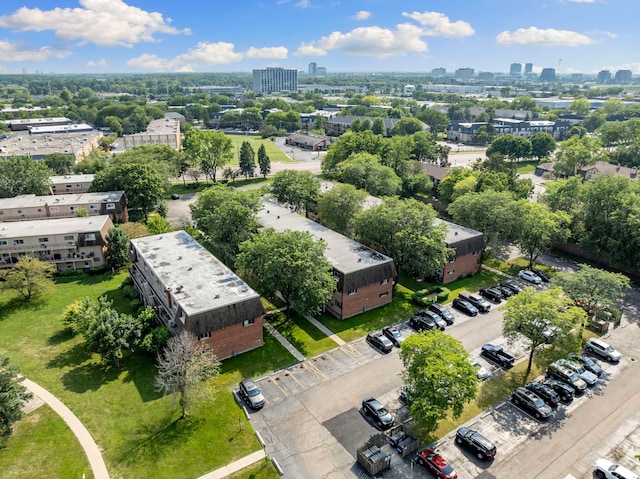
[136,36]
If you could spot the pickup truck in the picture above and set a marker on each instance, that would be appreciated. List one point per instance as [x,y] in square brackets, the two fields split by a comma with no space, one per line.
[497,355]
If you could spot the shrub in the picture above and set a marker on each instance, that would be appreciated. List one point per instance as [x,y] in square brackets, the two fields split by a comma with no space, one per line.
[96,270]
[130,292]
[136,304]
[431,295]
[69,272]
[127,282]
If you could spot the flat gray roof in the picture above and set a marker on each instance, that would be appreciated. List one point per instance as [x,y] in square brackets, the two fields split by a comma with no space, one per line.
[27,201]
[21,143]
[26,229]
[63,180]
[344,254]
[198,280]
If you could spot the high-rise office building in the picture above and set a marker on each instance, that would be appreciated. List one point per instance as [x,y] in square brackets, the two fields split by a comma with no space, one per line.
[321,71]
[273,80]
[515,70]
[313,68]
[604,76]
[528,69]
[439,72]
[623,76]
[465,72]
[548,75]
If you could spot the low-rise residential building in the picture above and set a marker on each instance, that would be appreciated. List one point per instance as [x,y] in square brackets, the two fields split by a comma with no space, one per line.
[68,243]
[364,277]
[164,131]
[467,245]
[32,207]
[308,141]
[190,289]
[77,144]
[465,132]
[435,172]
[337,125]
[603,168]
[61,185]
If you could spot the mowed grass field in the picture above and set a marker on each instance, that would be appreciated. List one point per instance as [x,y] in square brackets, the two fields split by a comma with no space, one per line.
[136,428]
[275,154]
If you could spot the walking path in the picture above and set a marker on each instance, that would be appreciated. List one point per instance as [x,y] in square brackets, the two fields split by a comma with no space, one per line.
[86,441]
[229,469]
[325,330]
[296,354]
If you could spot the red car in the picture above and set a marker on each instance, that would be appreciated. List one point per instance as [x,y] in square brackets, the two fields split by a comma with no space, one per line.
[436,464]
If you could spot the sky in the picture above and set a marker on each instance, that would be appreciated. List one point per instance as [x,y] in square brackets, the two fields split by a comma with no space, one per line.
[131,36]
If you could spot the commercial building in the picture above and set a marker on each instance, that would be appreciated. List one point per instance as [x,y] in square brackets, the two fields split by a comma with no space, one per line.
[274,80]
[439,72]
[309,141]
[623,76]
[32,207]
[548,75]
[464,73]
[515,70]
[604,76]
[164,131]
[68,243]
[313,68]
[528,69]
[191,290]
[38,147]
[61,185]
[364,277]
[26,124]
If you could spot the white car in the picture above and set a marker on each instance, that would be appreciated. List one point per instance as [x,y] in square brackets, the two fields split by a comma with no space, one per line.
[606,469]
[529,276]
[600,348]
[481,372]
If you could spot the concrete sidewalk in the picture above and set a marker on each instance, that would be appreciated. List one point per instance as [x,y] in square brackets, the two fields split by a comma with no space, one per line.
[325,330]
[86,441]
[236,466]
[290,347]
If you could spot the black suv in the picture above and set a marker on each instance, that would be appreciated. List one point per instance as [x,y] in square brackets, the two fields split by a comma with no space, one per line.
[531,402]
[465,306]
[422,323]
[567,376]
[493,294]
[563,390]
[443,312]
[476,442]
[547,394]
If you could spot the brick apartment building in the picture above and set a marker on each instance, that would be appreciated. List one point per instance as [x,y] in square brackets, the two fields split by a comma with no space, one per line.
[468,245]
[190,289]
[364,277]
[70,184]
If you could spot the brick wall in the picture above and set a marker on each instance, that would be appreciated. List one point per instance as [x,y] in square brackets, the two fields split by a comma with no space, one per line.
[466,264]
[236,339]
[365,298]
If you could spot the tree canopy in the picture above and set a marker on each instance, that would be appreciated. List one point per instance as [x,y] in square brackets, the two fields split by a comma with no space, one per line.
[29,277]
[365,171]
[22,175]
[338,206]
[298,188]
[208,151]
[13,397]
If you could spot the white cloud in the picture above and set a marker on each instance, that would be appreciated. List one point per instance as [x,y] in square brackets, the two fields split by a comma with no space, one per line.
[583,1]
[15,52]
[439,24]
[100,63]
[362,15]
[540,37]
[107,23]
[370,41]
[303,4]
[310,50]
[634,67]
[205,55]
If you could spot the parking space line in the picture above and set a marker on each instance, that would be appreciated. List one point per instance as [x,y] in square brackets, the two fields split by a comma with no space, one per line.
[296,380]
[278,386]
[314,369]
[352,352]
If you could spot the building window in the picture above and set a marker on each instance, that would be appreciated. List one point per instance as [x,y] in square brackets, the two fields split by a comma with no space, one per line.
[54,209]
[3,242]
[475,253]
[452,260]
[43,240]
[111,206]
[385,281]
[203,336]
[351,292]
[96,260]
[72,208]
[248,322]
[90,236]
[338,304]
[1,213]
[18,241]
[39,210]
[384,295]
[451,271]
[68,238]
[93,207]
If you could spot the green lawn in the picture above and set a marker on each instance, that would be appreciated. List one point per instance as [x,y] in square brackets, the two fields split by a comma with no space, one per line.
[473,283]
[303,335]
[32,452]
[514,266]
[137,429]
[275,154]
[260,470]
[526,167]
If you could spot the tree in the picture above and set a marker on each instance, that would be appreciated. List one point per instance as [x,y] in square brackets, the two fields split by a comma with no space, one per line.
[291,263]
[378,128]
[439,375]
[437,120]
[60,163]
[23,176]
[338,207]
[580,106]
[158,225]
[144,187]
[183,367]
[298,188]
[13,397]
[79,313]
[29,277]
[350,143]
[110,334]
[208,150]
[594,289]
[575,153]
[542,144]
[117,253]
[540,317]
[514,147]
[247,159]
[365,171]
[166,161]
[406,126]
[405,231]
[538,227]
[263,161]
[227,216]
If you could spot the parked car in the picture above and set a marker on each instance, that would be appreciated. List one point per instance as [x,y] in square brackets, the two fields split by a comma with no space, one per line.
[586,376]
[588,363]
[380,342]
[562,389]
[374,409]
[493,294]
[476,442]
[546,393]
[175,196]
[541,274]
[475,299]
[506,292]
[529,276]
[406,393]
[512,285]
[481,371]
[531,402]
[568,376]
[498,355]
[393,334]
[430,315]
[436,464]
[465,306]
[602,349]
[605,469]
[421,323]
[443,312]
[251,394]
